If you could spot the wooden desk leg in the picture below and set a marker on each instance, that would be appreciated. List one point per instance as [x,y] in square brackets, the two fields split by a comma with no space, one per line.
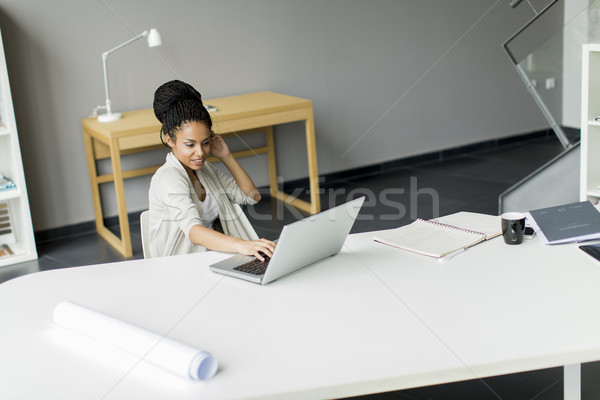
[272,161]
[313,173]
[125,242]
[95,186]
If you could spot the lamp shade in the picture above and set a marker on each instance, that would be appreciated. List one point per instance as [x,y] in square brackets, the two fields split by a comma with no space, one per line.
[154,38]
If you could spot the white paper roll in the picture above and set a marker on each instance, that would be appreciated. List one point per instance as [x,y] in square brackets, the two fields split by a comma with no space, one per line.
[164,352]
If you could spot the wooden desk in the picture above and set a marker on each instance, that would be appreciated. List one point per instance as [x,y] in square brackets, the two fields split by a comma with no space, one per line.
[237,115]
[371,319]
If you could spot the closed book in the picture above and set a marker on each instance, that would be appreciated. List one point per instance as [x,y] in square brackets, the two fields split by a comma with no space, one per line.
[574,222]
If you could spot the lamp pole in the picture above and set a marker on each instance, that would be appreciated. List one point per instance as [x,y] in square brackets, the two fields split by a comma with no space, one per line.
[154,40]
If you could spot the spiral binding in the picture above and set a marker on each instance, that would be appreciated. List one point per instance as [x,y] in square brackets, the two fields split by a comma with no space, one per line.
[437,223]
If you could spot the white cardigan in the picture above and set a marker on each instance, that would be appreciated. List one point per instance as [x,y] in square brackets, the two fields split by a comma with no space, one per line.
[175,207]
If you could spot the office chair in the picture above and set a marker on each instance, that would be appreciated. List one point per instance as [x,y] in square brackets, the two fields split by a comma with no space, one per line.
[144,222]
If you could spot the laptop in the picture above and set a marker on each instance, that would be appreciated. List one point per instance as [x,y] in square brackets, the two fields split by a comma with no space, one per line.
[300,244]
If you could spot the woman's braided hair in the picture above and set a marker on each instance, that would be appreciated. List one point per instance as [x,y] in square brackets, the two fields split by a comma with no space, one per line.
[176,103]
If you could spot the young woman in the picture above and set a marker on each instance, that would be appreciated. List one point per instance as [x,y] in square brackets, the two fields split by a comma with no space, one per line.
[194,206]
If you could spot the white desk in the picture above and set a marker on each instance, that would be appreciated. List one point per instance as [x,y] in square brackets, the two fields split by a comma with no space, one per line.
[371,319]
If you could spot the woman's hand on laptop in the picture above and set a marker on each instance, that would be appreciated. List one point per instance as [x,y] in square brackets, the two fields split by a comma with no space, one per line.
[257,248]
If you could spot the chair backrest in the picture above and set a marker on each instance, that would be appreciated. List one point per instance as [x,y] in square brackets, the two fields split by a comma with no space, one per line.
[144,222]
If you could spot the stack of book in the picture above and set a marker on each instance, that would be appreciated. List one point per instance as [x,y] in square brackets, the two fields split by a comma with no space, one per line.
[6,229]
[574,222]
[6,184]
[5,251]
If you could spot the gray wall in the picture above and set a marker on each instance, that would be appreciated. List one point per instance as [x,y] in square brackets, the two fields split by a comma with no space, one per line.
[388,79]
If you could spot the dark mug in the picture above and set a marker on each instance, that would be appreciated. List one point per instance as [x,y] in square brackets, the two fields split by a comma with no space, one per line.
[513,226]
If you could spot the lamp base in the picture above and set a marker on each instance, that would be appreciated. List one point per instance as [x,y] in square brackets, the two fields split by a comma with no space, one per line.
[109,117]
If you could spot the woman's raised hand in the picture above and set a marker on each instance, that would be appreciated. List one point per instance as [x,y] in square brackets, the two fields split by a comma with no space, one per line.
[218,147]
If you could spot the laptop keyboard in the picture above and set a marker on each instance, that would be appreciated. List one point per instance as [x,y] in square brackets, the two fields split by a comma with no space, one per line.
[254,267]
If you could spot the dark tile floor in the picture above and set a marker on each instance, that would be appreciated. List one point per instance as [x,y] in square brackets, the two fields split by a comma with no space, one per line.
[469,181]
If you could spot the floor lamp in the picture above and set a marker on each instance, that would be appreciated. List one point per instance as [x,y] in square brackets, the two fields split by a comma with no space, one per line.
[153,39]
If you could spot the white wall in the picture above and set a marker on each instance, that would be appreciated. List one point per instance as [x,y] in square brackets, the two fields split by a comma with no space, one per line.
[417,75]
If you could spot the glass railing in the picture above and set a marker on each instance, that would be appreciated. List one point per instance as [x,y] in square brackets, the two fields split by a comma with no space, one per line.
[546,53]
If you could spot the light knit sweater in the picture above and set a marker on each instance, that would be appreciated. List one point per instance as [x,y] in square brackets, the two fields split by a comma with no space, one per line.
[175,207]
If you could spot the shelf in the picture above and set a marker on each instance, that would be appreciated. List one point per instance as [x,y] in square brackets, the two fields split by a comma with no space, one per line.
[589,180]
[20,255]
[11,166]
[594,193]
[10,194]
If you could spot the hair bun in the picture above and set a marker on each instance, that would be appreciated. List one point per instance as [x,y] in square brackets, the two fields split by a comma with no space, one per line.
[172,93]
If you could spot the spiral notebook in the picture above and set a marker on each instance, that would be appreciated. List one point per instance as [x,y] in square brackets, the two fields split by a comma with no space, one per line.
[437,238]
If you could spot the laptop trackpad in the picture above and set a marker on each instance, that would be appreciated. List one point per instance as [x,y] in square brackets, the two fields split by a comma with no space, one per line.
[234,261]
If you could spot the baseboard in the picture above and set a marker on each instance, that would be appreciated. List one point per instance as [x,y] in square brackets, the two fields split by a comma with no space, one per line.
[391,165]
[64,232]
[329,178]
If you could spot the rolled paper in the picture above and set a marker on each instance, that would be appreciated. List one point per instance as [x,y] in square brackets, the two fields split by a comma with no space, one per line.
[164,352]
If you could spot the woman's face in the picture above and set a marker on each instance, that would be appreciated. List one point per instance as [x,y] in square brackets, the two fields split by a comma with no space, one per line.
[192,145]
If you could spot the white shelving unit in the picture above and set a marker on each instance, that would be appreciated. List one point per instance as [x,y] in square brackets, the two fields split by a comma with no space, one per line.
[590,128]
[16,229]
